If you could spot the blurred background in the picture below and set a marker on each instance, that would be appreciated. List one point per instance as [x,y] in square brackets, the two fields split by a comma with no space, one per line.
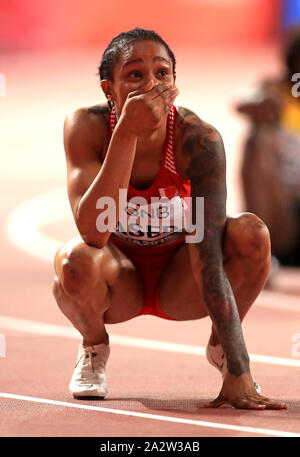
[50,52]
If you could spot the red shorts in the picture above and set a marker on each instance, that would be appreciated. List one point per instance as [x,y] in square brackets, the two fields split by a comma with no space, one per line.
[150,262]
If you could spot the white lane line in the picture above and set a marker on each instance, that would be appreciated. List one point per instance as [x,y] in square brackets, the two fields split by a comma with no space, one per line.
[24,223]
[28,326]
[277,300]
[178,420]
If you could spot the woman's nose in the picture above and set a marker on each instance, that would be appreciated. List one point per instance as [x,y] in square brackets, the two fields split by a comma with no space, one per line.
[151,79]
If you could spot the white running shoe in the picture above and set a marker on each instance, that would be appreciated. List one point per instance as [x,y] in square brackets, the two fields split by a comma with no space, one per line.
[89,379]
[216,357]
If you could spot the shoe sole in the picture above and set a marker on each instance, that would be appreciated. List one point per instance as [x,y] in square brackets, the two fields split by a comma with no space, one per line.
[89,397]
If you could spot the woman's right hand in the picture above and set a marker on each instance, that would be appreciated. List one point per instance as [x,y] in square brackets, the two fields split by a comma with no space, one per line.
[145,108]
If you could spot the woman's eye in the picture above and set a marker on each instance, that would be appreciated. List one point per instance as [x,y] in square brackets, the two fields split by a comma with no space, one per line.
[163,72]
[134,74]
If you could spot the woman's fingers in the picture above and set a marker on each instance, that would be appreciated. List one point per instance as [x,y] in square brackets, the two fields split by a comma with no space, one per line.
[244,403]
[219,401]
[276,405]
[165,92]
[164,98]
[267,402]
[142,90]
[247,402]
[160,98]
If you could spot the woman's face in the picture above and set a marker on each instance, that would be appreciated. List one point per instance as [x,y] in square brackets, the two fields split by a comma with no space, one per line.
[139,63]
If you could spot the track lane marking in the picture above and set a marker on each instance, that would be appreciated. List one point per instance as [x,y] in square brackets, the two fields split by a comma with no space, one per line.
[178,420]
[28,326]
[23,225]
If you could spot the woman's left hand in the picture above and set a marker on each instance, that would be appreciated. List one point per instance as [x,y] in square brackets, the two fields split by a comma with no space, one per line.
[240,393]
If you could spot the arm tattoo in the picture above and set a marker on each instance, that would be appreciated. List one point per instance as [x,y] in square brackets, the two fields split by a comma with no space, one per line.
[206,170]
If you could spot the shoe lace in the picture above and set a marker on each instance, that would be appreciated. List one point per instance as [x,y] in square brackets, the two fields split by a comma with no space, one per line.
[92,361]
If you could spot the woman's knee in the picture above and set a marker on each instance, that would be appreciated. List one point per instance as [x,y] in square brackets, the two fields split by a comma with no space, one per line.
[249,237]
[77,270]
[56,288]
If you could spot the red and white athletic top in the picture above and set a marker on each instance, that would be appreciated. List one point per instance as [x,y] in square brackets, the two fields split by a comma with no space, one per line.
[154,223]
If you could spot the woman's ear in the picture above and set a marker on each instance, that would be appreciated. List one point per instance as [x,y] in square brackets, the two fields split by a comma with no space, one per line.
[104,83]
[107,89]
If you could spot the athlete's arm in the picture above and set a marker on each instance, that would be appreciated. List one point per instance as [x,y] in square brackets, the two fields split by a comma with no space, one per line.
[206,170]
[207,173]
[88,178]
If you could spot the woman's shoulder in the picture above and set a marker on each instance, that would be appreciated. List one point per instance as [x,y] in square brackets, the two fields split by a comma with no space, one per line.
[89,115]
[197,138]
[88,122]
[189,123]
